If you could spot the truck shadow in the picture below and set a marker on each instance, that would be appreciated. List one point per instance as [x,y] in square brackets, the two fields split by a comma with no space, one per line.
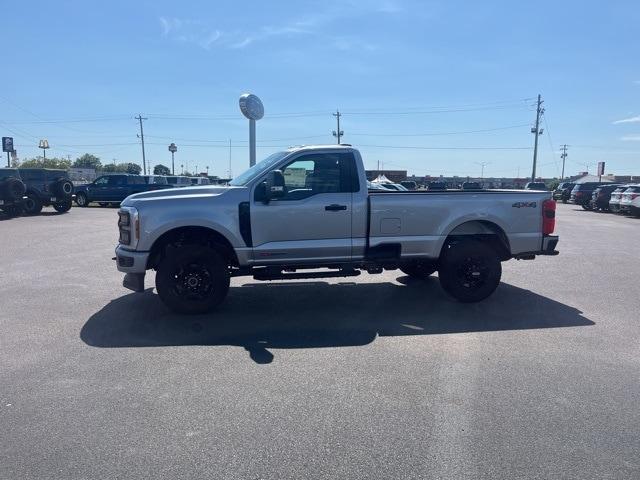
[259,316]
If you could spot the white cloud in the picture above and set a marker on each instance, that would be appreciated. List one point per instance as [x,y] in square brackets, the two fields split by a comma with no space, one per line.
[635,119]
[243,43]
[210,40]
[631,138]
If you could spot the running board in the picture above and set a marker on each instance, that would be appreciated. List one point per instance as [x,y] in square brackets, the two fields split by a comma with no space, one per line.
[274,275]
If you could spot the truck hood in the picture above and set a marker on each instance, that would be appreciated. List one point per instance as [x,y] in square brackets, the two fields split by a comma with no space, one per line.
[175,194]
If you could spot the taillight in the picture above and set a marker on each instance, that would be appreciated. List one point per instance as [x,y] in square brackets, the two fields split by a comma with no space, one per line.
[548,216]
[579,194]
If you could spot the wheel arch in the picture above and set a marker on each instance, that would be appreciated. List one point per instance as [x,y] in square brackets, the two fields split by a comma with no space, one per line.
[197,235]
[485,230]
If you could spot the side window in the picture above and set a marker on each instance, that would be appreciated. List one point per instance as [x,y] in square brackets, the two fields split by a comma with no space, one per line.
[117,180]
[319,173]
[134,180]
[102,181]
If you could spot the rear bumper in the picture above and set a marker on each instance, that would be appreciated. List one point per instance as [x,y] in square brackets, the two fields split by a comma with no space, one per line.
[549,244]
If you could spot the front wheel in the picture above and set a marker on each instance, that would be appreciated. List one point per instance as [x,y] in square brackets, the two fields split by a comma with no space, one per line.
[587,206]
[62,207]
[81,199]
[192,279]
[470,270]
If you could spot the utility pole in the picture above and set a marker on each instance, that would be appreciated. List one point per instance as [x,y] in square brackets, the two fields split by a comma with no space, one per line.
[563,156]
[230,159]
[482,164]
[140,118]
[338,133]
[537,131]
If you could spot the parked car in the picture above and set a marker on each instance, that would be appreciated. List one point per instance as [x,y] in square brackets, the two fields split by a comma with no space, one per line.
[409,184]
[563,192]
[178,181]
[46,187]
[377,186]
[199,181]
[581,194]
[616,196]
[471,186]
[155,179]
[628,200]
[436,186]
[536,186]
[601,196]
[308,208]
[12,191]
[113,189]
[396,187]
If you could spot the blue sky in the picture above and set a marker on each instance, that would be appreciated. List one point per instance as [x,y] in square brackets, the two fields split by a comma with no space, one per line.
[410,74]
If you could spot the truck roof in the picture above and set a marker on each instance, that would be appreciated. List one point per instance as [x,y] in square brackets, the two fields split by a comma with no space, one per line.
[331,146]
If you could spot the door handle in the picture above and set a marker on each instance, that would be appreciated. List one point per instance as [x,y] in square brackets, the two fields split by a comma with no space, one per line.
[335,207]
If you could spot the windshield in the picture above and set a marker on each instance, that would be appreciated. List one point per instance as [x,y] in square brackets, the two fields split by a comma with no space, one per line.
[258,169]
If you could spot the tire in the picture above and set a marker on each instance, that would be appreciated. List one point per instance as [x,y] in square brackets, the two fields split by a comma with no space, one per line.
[62,207]
[82,200]
[587,207]
[62,187]
[192,279]
[419,269]
[564,200]
[470,270]
[33,205]
[12,188]
[12,210]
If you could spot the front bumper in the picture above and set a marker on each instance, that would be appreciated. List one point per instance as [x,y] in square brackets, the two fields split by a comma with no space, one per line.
[129,261]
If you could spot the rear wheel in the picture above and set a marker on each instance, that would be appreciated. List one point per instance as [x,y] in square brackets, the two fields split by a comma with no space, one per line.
[192,279]
[470,270]
[587,206]
[419,268]
[62,207]
[32,205]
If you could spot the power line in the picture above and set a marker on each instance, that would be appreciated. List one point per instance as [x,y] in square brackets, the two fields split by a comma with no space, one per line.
[462,132]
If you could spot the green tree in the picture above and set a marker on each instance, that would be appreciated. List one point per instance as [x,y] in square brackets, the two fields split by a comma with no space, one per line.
[110,168]
[88,161]
[161,170]
[133,168]
[39,162]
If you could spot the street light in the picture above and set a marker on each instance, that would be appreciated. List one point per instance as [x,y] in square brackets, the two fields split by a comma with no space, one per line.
[207,171]
[44,144]
[173,149]
[181,169]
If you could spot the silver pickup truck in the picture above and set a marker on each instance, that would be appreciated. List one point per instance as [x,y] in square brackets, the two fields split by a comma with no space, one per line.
[306,212]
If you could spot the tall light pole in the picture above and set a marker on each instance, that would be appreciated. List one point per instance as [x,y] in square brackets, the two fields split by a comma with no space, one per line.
[173,149]
[537,131]
[252,108]
[207,171]
[44,144]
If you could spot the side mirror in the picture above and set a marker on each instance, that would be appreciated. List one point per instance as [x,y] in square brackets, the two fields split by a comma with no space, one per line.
[274,186]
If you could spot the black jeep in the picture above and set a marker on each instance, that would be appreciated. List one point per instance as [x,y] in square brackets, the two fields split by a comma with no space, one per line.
[11,192]
[45,187]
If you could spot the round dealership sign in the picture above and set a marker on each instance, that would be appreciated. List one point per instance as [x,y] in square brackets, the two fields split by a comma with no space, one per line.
[251,106]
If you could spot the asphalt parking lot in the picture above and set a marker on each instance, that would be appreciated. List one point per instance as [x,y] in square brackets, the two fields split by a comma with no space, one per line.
[378,378]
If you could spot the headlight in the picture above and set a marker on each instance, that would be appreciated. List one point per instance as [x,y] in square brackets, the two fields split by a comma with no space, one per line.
[129,226]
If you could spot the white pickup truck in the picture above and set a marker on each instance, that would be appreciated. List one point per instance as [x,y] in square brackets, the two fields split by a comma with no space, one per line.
[306,212]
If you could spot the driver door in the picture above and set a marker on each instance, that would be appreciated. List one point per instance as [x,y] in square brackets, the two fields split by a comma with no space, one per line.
[312,221]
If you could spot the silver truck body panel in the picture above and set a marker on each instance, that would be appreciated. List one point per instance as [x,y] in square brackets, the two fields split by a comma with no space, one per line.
[303,231]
